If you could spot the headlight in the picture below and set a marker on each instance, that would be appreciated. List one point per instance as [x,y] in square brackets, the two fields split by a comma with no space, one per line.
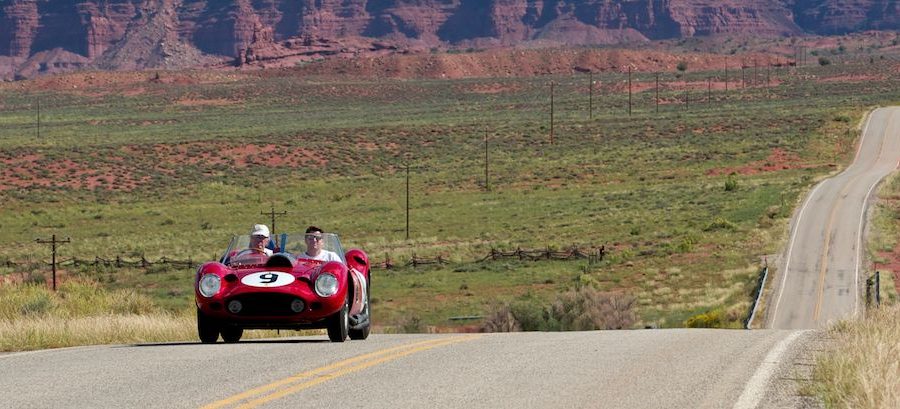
[326,285]
[210,285]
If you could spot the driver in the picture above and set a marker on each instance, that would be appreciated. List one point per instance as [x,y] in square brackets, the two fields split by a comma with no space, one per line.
[259,241]
[314,246]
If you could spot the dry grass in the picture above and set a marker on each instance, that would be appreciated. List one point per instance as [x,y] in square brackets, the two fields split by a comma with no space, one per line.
[56,332]
[83,313]
[862,371]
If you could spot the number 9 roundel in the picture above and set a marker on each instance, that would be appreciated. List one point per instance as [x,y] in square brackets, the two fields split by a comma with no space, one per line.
[267,279]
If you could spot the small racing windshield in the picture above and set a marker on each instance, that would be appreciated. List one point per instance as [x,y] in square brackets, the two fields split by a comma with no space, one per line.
[322,247]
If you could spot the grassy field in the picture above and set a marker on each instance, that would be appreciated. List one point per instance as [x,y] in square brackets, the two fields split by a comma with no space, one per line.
[860,370]
[687,201]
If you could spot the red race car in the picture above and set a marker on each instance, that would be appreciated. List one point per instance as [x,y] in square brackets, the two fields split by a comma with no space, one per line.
[250,289]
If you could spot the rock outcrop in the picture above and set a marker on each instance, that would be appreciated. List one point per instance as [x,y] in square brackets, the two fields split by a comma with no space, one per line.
[128,34]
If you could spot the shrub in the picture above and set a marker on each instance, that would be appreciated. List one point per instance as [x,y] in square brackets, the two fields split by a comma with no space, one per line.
[412,324]
[709,319]
[731,184]
[682,66]
[591,309]
[824,61]
[501,319]
[720,224]
[583,309]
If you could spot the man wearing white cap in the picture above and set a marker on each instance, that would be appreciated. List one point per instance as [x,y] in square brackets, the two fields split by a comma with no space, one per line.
[259,239]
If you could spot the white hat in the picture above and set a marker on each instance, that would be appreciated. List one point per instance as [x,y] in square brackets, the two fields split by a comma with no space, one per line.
[259,230]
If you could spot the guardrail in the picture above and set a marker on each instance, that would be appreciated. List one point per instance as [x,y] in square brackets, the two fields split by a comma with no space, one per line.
[760,285]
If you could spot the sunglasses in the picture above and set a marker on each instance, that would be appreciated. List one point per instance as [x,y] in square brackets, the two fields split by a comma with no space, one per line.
[313,237]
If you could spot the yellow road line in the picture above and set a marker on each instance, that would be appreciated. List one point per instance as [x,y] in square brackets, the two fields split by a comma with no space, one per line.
[823,263]
[416,347]
[327,377]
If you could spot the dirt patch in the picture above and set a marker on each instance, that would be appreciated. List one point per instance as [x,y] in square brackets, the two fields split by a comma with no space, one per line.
[490,89]
[778,160]
[208,154]
[853,78]
[190,102]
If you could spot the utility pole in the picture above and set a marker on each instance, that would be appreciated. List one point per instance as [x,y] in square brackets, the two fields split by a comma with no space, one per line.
[487,182]
[591,96]
[726,78]
[53,242]
[272,214]
[39,118]
[708,90]
[407,167]
[551,112]
[657,93]
[629,90]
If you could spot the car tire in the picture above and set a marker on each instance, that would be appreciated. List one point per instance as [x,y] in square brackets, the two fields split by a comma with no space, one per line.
[363,333]
[207,328]
[339,324]
[232,334]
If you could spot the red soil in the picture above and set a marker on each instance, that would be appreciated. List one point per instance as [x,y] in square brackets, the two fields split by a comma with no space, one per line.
[117,172]
[777,160]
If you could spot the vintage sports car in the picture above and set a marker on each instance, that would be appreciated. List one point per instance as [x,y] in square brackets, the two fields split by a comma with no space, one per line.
[247,289]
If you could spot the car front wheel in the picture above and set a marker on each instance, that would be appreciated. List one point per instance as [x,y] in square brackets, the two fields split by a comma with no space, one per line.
[207,328]
[363,333]
[339,324]
[232,334]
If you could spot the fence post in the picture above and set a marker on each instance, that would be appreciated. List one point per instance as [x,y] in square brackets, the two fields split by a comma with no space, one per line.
[868,291]
[877,289]
[143,262]
[118,261]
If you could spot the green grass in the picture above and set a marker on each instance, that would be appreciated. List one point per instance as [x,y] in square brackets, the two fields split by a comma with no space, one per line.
[650,187]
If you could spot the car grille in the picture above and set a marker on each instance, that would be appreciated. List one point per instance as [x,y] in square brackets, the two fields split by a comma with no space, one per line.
[265,304]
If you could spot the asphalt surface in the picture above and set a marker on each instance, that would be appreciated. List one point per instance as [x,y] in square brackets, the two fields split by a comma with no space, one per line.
[609,369]
[823,279]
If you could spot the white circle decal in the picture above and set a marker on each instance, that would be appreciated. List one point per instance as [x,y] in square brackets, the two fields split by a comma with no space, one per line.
[267,279]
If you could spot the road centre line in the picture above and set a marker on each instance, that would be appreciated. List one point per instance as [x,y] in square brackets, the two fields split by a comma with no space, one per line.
[391,354]
[787,266]
[327,377]
[824,260]
[826,249]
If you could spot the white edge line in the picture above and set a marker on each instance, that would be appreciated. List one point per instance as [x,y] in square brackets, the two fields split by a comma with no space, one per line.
[860,231]
[51,350]
[787,265]
[756,386]
[862,216]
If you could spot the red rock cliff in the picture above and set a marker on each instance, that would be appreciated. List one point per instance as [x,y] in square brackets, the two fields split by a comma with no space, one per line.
[171,33]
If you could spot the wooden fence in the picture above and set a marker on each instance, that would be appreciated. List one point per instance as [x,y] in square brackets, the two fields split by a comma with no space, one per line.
[592,254]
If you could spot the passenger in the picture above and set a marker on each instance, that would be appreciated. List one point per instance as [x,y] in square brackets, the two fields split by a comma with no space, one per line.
[259,241]
[314,246]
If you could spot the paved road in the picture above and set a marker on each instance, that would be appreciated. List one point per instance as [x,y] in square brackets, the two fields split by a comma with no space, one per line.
[608,369]
[821,264]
